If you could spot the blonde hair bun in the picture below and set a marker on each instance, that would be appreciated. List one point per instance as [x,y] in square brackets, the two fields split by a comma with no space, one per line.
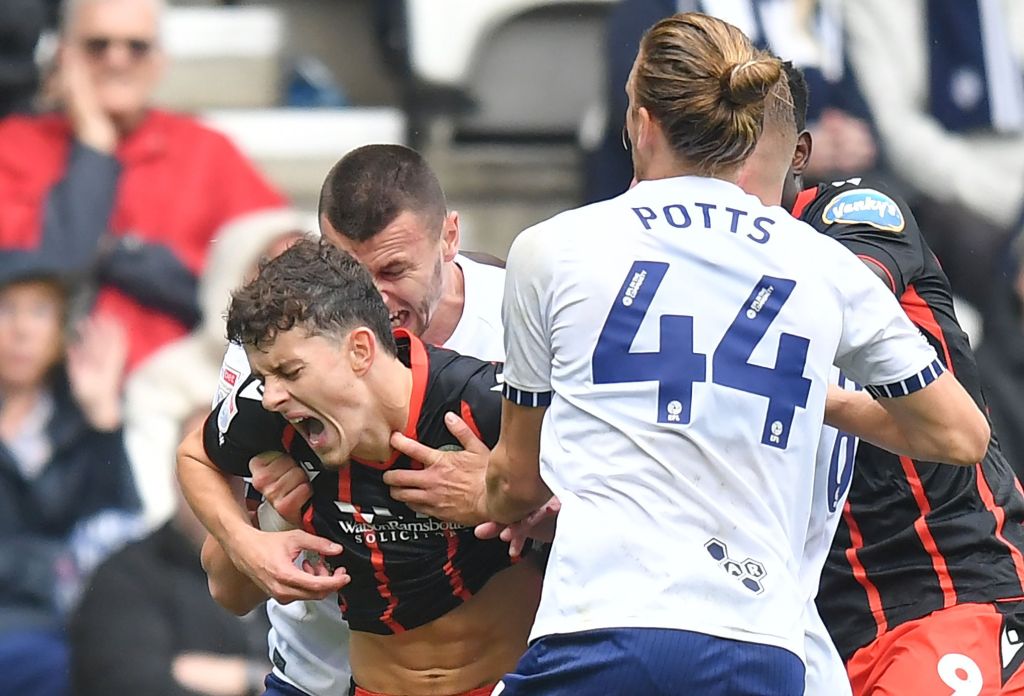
[750,82]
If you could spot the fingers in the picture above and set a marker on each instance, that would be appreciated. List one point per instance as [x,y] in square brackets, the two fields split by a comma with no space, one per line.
[464,434]
[409,478]
[414,450]
[303,541]
[489,530]
[290,506]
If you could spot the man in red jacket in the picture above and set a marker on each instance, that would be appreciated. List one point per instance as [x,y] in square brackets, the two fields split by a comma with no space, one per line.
[126,196]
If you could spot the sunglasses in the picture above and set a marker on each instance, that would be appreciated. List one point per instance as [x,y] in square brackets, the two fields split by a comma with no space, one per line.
[97,46]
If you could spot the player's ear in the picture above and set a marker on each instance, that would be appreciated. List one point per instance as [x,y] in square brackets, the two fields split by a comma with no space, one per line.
[450,235]
[361,345]
[802,153]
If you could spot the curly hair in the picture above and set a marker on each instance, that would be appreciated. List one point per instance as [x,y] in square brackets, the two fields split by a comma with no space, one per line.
[311,285]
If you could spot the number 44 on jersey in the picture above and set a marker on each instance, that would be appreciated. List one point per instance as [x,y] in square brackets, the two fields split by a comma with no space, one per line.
[677,368]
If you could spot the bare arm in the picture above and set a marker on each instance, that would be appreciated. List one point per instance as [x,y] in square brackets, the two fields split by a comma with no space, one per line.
[229,587]
[939,423]
[265,557]
[514,486]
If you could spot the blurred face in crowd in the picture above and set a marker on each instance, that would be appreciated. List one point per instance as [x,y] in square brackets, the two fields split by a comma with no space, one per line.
[119,42]
[31,322]
[406,260]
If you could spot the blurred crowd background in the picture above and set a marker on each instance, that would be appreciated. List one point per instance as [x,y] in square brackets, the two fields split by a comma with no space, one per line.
[151,154]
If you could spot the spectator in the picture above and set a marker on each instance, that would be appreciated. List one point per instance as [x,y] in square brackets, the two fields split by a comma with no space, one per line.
[63,468]
[1001,361]
[179,378]
[125,194]
[811,34]
[147,624]
[21,23]
[943,79]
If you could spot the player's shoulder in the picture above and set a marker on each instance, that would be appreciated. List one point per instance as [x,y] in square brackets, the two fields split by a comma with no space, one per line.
[860,203]
[451,373]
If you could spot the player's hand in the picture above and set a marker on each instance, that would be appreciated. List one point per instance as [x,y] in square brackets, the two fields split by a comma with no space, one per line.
[283,484]
[538,525]
[268,558]
[451,484]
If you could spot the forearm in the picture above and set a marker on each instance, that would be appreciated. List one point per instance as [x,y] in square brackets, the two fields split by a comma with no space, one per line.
[78,208]
[859,414]
[511,498]
[230,587]
[209,495]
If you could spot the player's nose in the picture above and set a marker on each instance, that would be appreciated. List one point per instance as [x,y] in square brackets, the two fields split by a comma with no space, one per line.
[274,394]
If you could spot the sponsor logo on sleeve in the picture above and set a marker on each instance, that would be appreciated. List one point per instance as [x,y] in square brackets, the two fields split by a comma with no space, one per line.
[867,207]
[228,409]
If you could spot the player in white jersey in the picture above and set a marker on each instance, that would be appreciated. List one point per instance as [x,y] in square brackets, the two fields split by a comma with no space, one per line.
[675,343]
[430,289]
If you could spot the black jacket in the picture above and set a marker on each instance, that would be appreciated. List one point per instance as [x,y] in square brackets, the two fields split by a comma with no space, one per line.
[88,472]
[145,605]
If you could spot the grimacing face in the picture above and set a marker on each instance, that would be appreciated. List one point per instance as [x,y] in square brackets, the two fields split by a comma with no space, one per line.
[406,261]
[124,77]
[314,382]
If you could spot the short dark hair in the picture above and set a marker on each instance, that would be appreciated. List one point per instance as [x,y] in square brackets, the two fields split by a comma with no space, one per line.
[372,185]
[311,285]
[800,93]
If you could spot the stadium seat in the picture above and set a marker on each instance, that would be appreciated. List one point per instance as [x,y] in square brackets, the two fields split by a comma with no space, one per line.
[296,147]
[507,58]
[222,57]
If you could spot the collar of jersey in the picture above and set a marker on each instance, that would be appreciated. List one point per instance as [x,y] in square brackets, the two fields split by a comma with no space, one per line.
[419,364]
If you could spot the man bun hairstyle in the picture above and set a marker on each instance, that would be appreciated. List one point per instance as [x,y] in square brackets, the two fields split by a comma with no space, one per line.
[706,85]
[311,285]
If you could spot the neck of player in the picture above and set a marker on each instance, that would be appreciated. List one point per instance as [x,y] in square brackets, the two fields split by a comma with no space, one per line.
[392,386]
[664,164]
[449,308]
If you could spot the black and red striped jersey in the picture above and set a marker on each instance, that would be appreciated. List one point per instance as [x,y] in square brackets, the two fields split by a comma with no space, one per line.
[407,569]
[915,536]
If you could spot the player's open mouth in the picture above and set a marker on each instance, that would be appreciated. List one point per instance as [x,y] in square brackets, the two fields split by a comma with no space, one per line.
[398,318]
[312,429]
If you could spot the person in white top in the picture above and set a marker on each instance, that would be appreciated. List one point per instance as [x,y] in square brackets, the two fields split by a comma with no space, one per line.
[383,204]
[668,354]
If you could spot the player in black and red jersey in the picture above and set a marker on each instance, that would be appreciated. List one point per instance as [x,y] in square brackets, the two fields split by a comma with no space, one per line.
[922,588]
[336,385]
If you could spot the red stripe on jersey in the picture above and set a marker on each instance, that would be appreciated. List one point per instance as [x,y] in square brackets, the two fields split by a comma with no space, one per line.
[288,436]
[997,511]
[922,315]
[803,199]
[467,415]
[453,573]
[419,363]
[383,582]
[925,534]
[861,575]
[876,262]
[307,520]
[345,484]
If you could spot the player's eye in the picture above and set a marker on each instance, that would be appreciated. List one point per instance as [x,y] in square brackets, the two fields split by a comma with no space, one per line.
[291,375]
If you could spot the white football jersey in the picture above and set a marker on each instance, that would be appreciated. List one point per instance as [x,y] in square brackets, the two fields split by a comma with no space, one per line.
[683,335]
[308,640]
[833,472]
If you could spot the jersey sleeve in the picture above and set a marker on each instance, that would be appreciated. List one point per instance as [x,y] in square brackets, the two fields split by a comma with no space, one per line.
[879,228]
[239,428]
[234,369]
[879,347]
[524,313]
